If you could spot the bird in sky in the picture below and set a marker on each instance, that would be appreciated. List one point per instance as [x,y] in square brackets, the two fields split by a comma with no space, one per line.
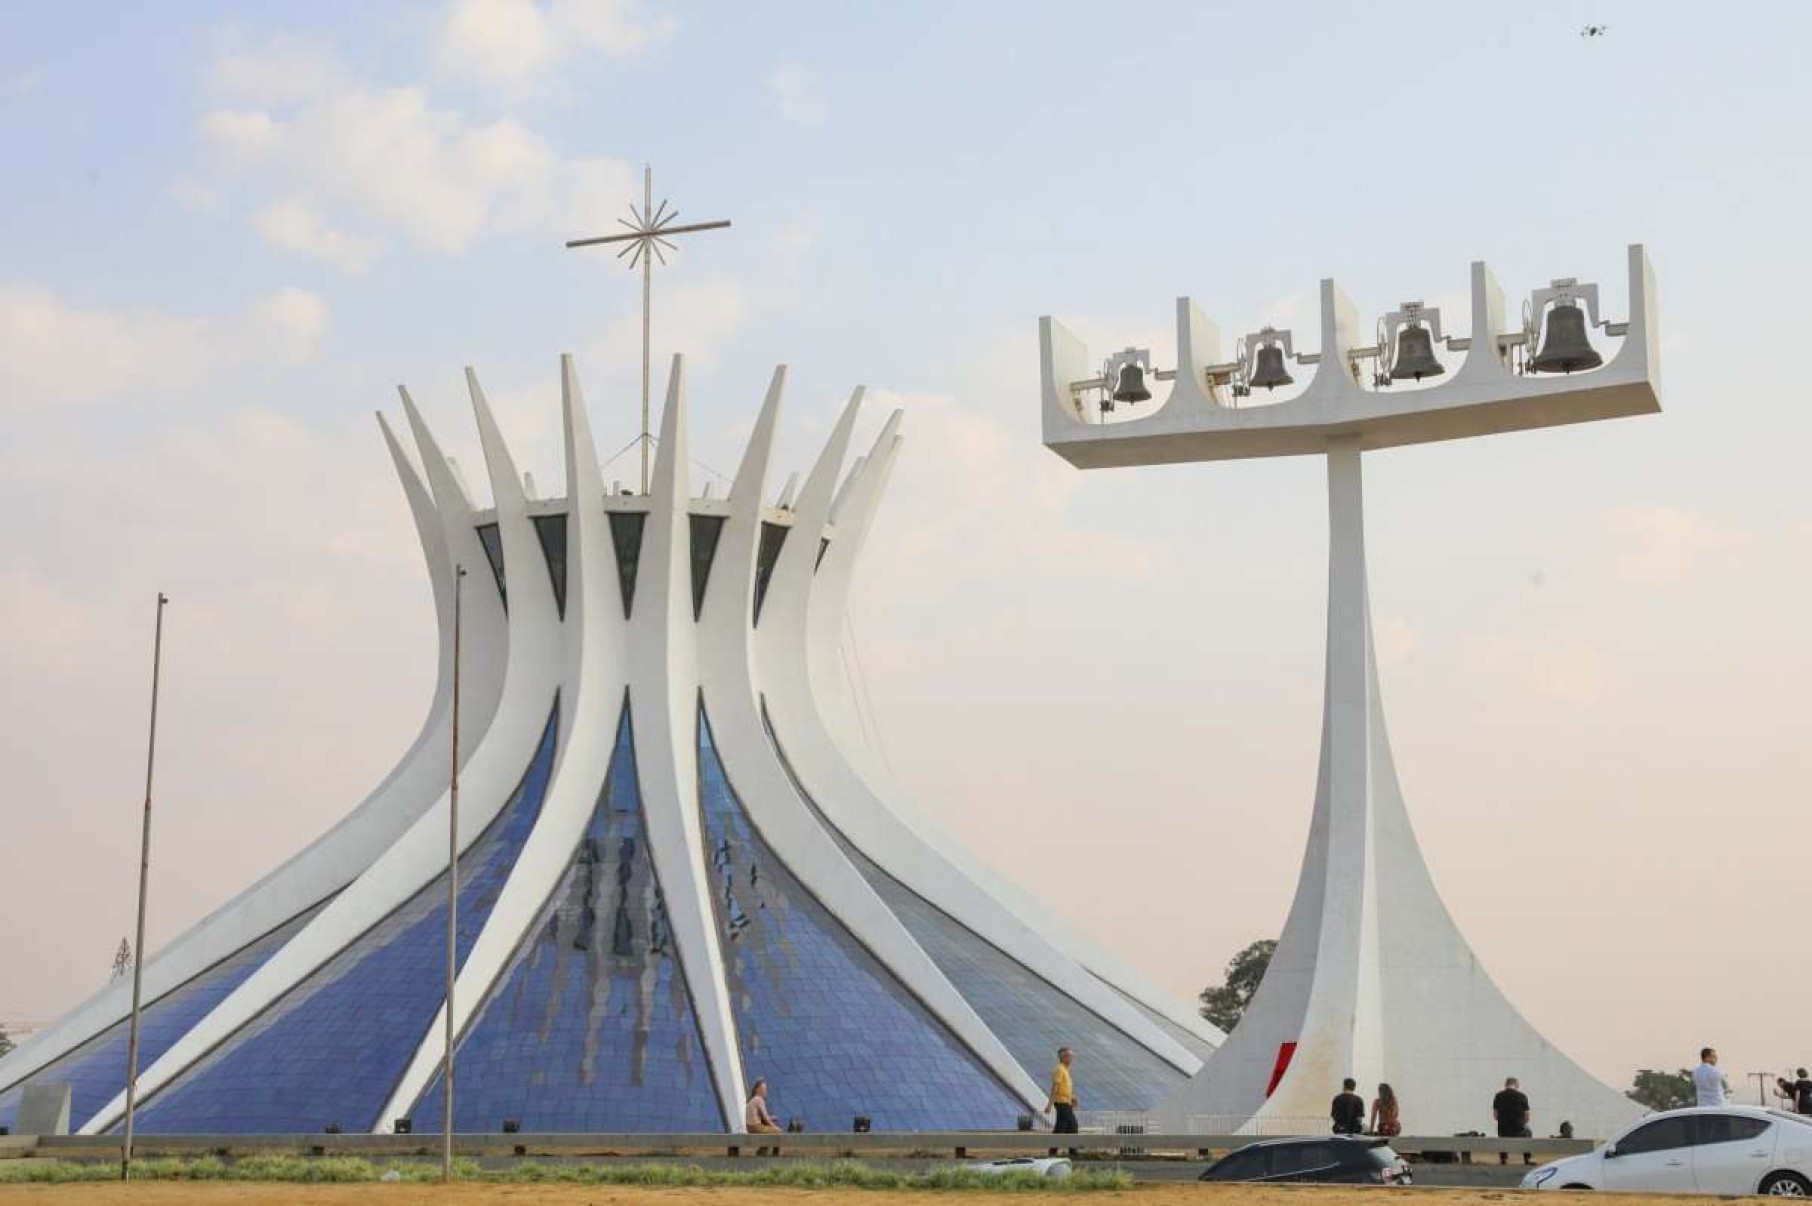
[1593,31]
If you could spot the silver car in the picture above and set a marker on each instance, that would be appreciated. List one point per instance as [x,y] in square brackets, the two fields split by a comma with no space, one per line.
[1721,1150]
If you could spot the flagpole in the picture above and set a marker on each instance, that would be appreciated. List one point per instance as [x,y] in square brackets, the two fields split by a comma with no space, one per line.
[144,877]
[446,1068]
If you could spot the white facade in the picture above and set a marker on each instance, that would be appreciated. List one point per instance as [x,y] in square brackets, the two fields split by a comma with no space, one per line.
[1371,978]
[673,904]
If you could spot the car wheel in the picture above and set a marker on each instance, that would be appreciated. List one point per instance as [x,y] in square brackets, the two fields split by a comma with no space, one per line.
[1786,1185]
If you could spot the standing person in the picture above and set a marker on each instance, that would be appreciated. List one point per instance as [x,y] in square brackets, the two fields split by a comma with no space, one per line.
[1063,1097]
[1348,1110]
[1802,1093]
[1510,1108]
[1385,1119]
[1708,1083]
[757,1118]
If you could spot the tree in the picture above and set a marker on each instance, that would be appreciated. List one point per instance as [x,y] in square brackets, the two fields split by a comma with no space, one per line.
[1224,1005]
[122,960]
[1663,1090]
[6,1041]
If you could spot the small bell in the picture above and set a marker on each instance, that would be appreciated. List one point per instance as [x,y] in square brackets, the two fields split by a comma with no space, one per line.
[1269,372]
[1415,355]
[1564,346]
[1131,386]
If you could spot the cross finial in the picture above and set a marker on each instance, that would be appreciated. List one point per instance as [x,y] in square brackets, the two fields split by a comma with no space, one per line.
[648,234]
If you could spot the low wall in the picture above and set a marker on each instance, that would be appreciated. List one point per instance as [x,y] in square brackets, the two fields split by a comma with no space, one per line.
[955,1144]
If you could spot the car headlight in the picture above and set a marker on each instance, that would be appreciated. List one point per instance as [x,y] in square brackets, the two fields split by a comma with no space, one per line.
[1539,1177]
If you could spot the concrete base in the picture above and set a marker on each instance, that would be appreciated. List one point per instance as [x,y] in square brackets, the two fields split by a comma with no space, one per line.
[44,1110]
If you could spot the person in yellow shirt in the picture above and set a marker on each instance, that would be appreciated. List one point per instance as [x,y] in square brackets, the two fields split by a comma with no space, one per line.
[1063,1094]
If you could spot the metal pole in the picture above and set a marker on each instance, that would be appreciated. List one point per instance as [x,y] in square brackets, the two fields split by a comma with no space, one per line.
[144,877]
[647,296]
[446,1067]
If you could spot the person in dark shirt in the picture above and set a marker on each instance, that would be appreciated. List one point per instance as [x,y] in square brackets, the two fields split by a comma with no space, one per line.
[1802,1093]
[1511,1109]
[1348,1111]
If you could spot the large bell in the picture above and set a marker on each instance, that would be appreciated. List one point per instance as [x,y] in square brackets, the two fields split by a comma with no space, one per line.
[1269,372]
[1131,386]
[1415,355]
[1564,346]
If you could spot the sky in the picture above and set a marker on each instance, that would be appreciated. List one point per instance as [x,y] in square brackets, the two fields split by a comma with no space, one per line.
[228,231]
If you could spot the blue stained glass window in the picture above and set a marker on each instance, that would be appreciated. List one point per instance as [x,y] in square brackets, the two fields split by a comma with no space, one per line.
[551,531]
[1194,1045]
[591,1027]
[832,1030]
[1030,1016]
[96,1070]
[492,539]
[333,1047]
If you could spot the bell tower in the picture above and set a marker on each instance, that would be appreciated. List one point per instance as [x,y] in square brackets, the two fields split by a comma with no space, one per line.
[1371,978]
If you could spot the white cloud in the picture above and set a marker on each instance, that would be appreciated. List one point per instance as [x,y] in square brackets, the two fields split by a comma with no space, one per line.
[198,195]
[289,324]
[1393,641]
[237,134]
[56,353]
[284,70]
[690,319]
[509,42]
[1568,672]
[55,624]
[342,162]
[1664,545]
[796,94]
[294,224]
[23,84]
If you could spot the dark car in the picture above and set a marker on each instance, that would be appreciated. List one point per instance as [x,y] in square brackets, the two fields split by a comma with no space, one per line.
[1330,1160]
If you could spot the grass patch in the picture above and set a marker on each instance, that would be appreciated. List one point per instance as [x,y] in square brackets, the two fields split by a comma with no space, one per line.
[835,1174]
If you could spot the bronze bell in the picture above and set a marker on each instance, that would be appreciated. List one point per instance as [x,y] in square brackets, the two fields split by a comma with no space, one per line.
[1415,355]
[1564,346]
[1269,373]
[1131,386]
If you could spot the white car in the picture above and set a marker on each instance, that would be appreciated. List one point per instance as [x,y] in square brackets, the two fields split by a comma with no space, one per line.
[1722,1150]
[1038,1166]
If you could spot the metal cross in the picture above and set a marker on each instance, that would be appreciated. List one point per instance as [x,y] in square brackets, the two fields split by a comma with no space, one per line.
[648,234]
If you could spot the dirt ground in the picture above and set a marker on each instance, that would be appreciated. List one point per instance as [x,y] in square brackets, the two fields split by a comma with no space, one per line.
[240,1194]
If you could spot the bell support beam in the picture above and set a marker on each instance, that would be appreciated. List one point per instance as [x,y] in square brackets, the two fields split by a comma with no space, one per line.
[1483,397]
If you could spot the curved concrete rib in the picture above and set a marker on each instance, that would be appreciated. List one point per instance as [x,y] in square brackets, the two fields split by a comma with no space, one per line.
[335,858]
[532,681]
[663,699]
[591,697]
[835,575]
[792,659]
[732,700]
